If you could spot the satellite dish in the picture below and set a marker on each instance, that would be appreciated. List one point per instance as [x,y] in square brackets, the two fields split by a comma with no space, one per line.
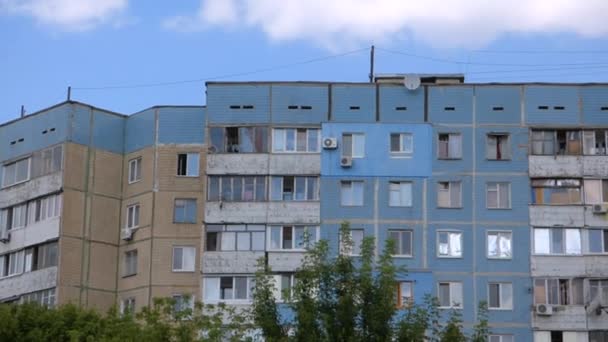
[411,82]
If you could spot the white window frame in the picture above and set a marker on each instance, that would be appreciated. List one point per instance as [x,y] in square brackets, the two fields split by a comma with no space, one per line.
[570,296]
[132,219]
[293,197]
[14,182]
[565,240]
[186,202]
[18,220]
[355,249]
[505,154]
[188,264]
[249,230]
[499,234]
[451,185]
[16,263]
[350,185]
[404,150]
[496,187]
[278,284]
[270,228]
[282,131]
[595,183]
[405,301]
[400,184]
[500,338]
[134,170]
[130,266]
[501,305]
[602,283]
[586,134]
[127,306]
[180,298]
[189,162]
[450,247]
[450,137]
[355,136]
[604,238]
[398,245]
[209,281]
[453,286]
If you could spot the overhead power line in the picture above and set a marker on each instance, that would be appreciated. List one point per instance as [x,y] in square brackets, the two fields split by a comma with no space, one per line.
[217,77]
[542,52]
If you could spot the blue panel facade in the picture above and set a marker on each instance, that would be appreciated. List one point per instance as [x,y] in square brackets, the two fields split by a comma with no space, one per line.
[108,131]
[300,104]
[595,105]
[81,118]
[31,129]
[238,104]
[552,105]
[498,104]
[462,164]
[181,125]
[518,148]
[377,160]
[353,103]
[398,104]
[451,104]
[139,130]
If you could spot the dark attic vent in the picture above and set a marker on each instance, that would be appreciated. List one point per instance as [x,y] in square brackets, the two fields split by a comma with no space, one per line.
[13,142]
[401,108]
[235,107]
[449,108]
[498,109]
[543,107]
[306,107]
[355,107]
[52,129]
[248,107]
[604,108]
[20,140]
[292,107]
[559,107]
[45,131]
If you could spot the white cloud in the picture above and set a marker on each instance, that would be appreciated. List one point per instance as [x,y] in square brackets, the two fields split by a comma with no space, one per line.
[70,15]
[441,23]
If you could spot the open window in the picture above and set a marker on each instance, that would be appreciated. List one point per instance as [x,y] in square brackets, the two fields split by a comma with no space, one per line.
[246,139]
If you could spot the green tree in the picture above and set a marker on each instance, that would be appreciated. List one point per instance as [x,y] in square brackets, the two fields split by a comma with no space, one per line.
[452,332]
[264,308]
[417,320]
[481,329]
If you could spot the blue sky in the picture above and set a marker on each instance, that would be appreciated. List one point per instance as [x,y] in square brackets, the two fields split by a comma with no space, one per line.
[50,44]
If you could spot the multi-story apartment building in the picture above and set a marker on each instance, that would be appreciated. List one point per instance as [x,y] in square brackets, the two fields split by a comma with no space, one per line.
[493,192]
[99,208]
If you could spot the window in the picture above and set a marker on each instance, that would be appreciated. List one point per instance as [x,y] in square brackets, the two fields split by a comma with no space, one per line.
[134,170]
[294,188]
[44,208]
[353,145]
[127,306]
[133,216]
[400,194]
[594,142]
[46,161]
[500,338]
[500,296]
[403,241]
[239,139]
[351,193]
[405,295]
[292,237]
[450,146]
[17,216]
[450,295]
[237,188]
[596,191]
[499,245]
[183,302]
[556,191]
[598,288]
[558,291]
[498,195]
[295,140]
[598,240]
[449,244]
[42,256]
[184,210]
[284,284]
[130,263]
[561,142]
[498,147]
[557,241]
[449,194]
[402,144]
[235,238]
[44,298]
[14,263]
[188,164]
[16,172]
[238,288]
[356,236]
[184,259]
[598,336]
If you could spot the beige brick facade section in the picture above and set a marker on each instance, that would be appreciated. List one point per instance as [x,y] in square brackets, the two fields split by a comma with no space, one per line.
[75,164]
[164,225]
[162,263]
[146,183]
[105,219]
[72,219]
[107,173]
[141,296]
[70,261]
[103,266]
[142,278]
[169,291]
[167,169]
[100,300]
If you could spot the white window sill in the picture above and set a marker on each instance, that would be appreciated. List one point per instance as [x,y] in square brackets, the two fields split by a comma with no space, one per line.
[500,309]
[183,271]
[449,257]
[135,181]
[450,307]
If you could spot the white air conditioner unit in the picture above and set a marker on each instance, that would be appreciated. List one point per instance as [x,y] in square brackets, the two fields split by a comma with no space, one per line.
[330,143]
[346,161]
[126,234]
[544,310]
[5,236]
[598,209]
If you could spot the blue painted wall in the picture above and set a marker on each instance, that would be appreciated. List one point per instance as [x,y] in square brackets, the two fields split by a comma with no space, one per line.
[498,104]
[552,97]
[221,97]
[139,130]
[377,160]
[305,95]
[108,131]
[181,125]
[451,104]
[398,104]
[343,97]
[593,99]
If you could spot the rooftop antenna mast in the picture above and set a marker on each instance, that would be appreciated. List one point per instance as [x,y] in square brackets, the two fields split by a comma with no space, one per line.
[69,93]
[371,65]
